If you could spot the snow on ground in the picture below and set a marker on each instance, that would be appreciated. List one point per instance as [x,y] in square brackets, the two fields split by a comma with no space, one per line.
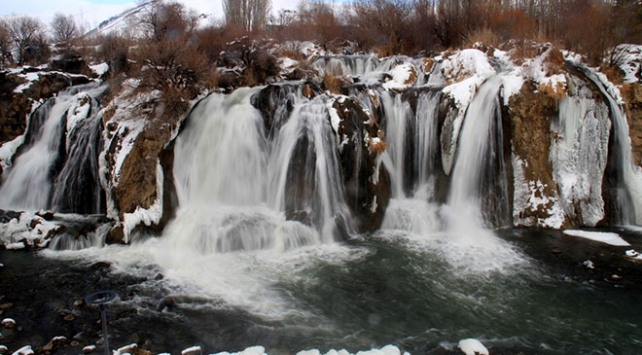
[603,237]
[30,77]
[99,69]
[629,59]
[472,347]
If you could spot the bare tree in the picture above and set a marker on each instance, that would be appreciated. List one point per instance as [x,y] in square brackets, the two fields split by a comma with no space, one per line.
[251,15]
[385,18]
[28,34]
[167,21]
[64,29]
[5,44]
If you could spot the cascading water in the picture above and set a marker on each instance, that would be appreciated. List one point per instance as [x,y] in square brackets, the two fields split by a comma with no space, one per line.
[239,191]
[479,178]
[50,155]
[624,177]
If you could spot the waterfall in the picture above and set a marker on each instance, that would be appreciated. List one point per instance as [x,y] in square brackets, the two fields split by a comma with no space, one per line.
[621,175]
[426,142]
[64,148]
[239,189]
[479,178]
[398,126]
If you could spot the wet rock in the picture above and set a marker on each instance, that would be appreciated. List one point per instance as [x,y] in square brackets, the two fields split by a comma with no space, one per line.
[8,323]
[531,113]
[366,181]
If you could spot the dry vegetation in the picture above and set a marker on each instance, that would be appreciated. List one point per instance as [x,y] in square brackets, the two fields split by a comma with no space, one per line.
[180,60]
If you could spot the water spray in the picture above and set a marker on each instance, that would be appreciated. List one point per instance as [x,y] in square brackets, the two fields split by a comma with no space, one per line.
[100,298]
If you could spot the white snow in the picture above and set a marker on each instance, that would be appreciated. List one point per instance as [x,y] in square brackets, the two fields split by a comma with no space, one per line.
[127,349]
[472,347]
[8,322]
[79,109]
[191,350]
[404,77]
[25,350]
[511,84]
[88,348]
[604,237]
[8,149]
[386,350]
[254,350]
[99,69]
[16,233]
[30,77]
[529,196]
[629,59]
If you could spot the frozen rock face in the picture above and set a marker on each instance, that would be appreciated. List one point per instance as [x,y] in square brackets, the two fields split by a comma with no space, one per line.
[136,162]
[20,89]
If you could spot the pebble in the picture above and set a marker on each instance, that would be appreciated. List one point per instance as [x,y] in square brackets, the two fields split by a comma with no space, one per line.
[8,323]
[88,349]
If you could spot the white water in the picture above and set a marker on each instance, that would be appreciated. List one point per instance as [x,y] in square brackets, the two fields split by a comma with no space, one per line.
[456,230]
[28,184]
[629,174]
[233,184]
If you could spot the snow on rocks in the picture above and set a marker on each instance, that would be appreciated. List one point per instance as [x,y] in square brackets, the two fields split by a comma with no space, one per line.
[88,349]
[629,59]
[403,77]
[472,347]
[254,350]
[25,350]
[8,323]
[603,237]
[3,349]
[194,350]
[127,349]
[30,230]
[99,69]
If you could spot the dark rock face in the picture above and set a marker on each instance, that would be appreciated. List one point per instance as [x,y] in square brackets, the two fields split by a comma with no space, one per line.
[367,184]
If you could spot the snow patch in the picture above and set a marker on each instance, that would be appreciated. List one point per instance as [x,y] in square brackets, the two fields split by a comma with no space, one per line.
[403,77]
[99,69]
[31,78]
[254,350]
[79,109]
[530,197]
[629,59]
[25,350]
[603,237]
[30,230]
[8,149]
[472,347]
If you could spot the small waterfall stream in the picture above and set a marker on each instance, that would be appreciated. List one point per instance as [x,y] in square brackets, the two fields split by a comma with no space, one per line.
[59,166]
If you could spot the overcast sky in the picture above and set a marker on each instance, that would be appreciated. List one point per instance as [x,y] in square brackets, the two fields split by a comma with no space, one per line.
[91,12]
